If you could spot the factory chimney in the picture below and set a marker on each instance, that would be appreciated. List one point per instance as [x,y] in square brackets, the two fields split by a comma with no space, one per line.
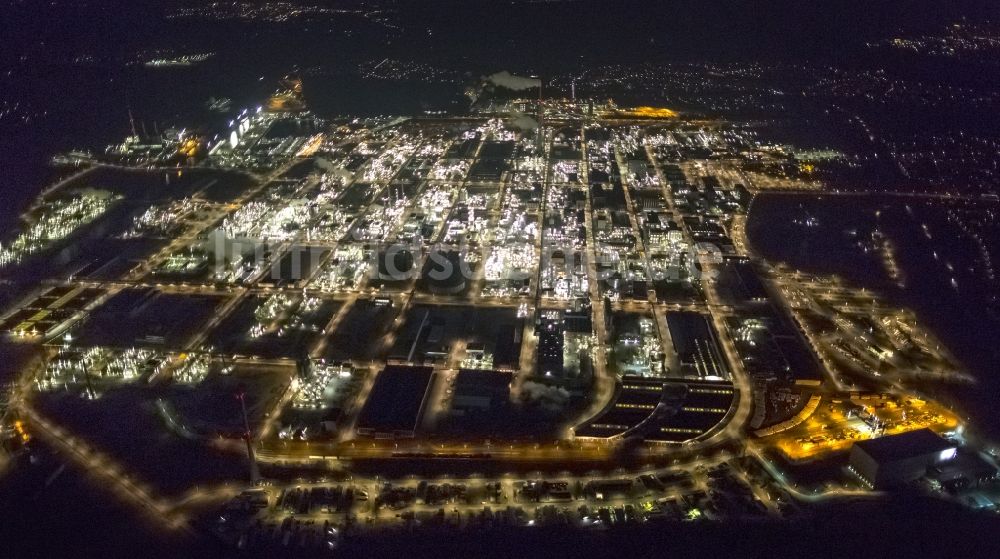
[248,437]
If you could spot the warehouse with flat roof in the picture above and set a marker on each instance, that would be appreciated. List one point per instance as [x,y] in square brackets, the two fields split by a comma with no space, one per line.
[899,459]
[396,402]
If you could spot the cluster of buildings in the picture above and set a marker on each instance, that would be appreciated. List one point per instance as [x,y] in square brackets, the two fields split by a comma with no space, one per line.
[55,220]
[92,368]
[469,278]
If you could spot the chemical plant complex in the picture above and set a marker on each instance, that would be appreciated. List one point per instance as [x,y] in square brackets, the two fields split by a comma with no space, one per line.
[544,312]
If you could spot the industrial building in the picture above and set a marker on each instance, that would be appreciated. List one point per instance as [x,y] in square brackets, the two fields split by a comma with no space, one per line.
[899,459]
[396,402]
[661,410]
[968,470]
[479,391]
[696,345]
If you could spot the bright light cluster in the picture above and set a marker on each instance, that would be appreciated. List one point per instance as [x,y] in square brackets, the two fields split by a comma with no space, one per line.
[58,219]
[162,220]
[344,271]
[193,369]
[90,365]
[321,386]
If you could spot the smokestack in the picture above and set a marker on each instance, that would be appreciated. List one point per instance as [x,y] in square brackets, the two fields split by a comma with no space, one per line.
[131,122]
[248,437]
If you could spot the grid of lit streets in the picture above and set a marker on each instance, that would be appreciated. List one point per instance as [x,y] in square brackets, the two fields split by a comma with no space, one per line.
[547,313]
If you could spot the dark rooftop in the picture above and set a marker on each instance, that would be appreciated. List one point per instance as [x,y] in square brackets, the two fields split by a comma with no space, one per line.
[905,445]
[396,399]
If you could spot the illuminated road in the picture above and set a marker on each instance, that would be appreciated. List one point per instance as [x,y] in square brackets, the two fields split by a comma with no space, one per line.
[870,194]
[112,476]
[736,420]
